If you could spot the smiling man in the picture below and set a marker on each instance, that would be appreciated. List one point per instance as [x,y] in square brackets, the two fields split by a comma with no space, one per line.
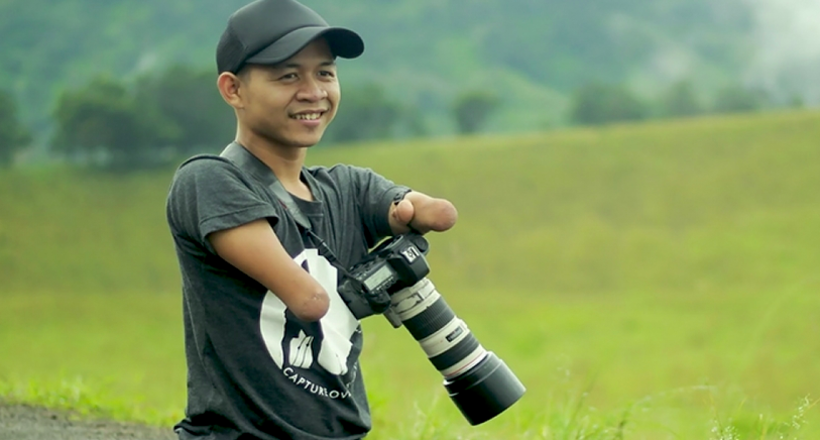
[271,348]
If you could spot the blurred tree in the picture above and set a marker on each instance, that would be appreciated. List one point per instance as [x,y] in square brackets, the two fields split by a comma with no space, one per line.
[13,135]
[411,122]
[598,103]
[796,101]
[738,99]
[189,100]
[681,100]
[364,113]
[471,110]
[102,123]
[555,46]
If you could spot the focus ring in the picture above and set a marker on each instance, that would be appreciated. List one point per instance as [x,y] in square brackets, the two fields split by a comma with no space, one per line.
[431,320]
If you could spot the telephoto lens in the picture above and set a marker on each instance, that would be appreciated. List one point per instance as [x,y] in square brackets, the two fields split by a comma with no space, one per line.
[479,382]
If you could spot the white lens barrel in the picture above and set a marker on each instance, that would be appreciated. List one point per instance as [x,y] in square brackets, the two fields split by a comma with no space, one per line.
[444,337]
[479,383]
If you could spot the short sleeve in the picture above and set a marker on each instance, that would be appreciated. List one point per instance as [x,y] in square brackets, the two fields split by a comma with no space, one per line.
[210,194]
[374,194]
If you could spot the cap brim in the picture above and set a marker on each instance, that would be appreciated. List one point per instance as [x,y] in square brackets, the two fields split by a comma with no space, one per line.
[343,43]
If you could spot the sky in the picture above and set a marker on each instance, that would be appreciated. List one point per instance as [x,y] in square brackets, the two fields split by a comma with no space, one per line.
[787,48]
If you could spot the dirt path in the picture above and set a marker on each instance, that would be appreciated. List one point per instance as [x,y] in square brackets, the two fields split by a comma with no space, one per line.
[21,422]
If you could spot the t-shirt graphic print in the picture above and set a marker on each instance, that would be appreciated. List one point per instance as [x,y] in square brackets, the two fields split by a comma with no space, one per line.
[313,355]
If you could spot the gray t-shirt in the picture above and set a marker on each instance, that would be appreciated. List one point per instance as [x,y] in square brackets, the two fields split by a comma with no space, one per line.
[253,367]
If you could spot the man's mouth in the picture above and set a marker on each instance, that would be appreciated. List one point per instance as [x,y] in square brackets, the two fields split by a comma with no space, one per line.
[308,116]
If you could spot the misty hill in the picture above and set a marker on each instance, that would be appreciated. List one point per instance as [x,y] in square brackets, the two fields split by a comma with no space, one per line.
[530,53]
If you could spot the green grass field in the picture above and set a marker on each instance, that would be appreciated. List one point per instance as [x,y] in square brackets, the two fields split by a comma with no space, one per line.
[650,282]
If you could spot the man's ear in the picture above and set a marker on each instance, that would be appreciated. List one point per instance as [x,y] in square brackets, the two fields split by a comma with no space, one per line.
[229,86]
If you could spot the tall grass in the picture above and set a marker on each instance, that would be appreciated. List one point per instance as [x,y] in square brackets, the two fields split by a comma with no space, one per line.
[645,282]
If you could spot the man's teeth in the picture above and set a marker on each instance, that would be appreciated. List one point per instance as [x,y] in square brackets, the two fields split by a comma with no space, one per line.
[308,116]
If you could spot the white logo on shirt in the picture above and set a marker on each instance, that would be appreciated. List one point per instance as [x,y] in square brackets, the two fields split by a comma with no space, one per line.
[327,343]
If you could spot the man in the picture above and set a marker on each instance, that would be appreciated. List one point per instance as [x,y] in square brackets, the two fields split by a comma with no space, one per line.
[272,350]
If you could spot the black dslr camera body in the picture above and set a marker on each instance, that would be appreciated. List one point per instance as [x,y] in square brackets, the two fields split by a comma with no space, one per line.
[391,280]
[393,265]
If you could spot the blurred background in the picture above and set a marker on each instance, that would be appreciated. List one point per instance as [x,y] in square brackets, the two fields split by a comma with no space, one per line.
[133,70]
[638,185]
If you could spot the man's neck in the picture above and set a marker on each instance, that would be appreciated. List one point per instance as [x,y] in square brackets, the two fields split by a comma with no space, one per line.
[286,163]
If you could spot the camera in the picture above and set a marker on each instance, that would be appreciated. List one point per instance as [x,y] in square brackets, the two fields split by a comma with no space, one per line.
[391,280]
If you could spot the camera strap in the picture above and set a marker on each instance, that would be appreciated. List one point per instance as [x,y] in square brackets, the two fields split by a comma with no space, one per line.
[250,164]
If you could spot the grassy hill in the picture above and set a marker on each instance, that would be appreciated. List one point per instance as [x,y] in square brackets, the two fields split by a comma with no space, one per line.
[613,209]
[665,274]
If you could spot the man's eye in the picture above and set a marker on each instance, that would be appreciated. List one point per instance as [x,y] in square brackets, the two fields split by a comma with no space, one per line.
[288,76]
[327,73]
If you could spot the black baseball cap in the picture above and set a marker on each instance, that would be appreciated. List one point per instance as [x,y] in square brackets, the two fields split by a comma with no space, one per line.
[271,31]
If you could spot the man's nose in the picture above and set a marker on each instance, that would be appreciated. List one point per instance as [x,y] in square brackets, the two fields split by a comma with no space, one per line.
[312,90]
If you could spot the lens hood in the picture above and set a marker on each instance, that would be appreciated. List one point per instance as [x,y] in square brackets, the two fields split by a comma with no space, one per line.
[486,390]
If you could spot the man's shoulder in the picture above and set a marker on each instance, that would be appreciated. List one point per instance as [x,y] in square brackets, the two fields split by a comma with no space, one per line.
[340,172]
[207,173]
[204,167]
[204,162]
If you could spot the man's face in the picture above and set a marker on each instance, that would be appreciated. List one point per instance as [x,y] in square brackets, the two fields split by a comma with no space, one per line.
[290,104]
